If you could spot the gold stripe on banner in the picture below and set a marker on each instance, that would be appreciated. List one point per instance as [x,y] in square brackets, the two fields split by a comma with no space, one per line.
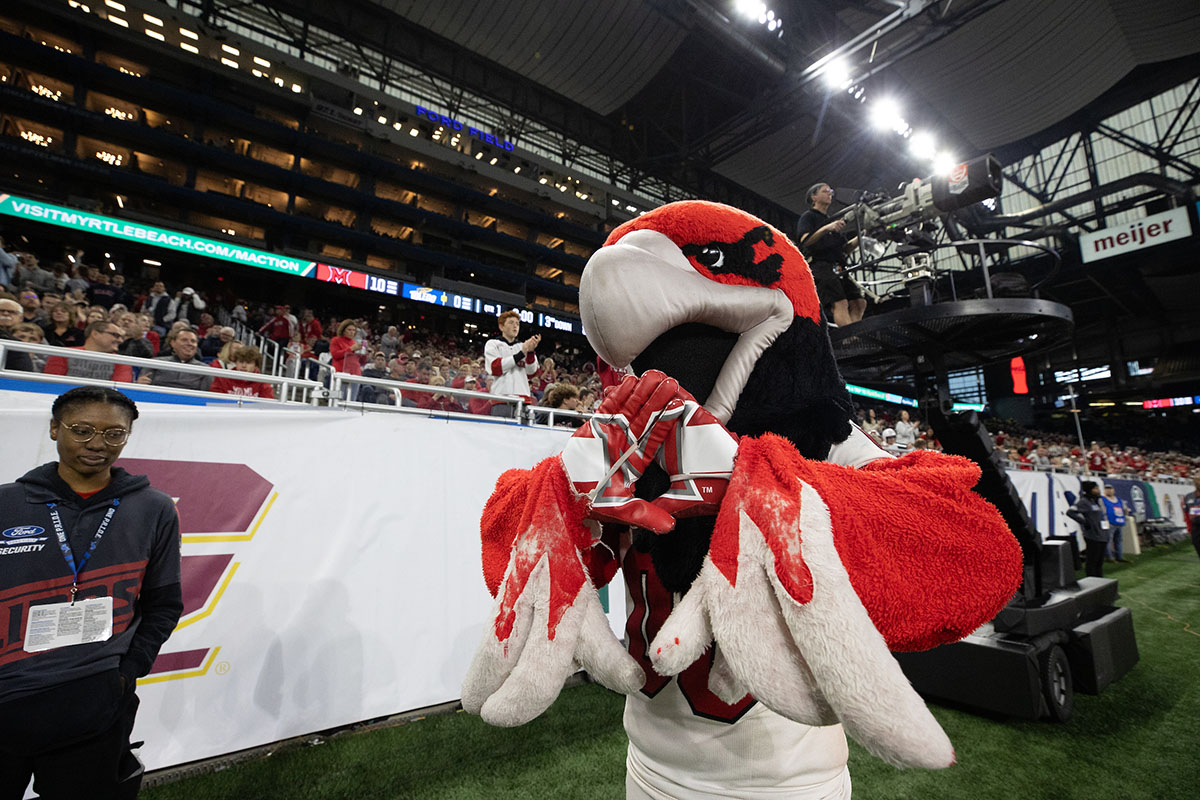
[197,538]
[174,676]
[216,598]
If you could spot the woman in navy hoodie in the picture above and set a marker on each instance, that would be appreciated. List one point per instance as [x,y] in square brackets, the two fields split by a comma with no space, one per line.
[81,540]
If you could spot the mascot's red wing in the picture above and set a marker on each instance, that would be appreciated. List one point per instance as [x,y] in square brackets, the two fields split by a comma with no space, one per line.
[930,560]
[533,499]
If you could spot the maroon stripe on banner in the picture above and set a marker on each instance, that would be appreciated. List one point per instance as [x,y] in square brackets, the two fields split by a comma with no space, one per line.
[184,659]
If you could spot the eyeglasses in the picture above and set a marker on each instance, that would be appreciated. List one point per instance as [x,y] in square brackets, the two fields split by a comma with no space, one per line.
[84,433]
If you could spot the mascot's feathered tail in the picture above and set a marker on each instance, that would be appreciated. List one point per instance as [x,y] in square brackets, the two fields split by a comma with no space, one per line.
[803,552]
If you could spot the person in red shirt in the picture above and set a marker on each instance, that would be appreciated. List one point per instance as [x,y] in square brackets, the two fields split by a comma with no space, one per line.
[437,401]
[1096,460]
[99,337]
[279,328]
[206,324]
[611,376]
[310,327]
[475,405]
[347,355]
[245,359]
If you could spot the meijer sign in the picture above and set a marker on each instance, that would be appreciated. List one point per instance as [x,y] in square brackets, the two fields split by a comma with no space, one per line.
[1156,229]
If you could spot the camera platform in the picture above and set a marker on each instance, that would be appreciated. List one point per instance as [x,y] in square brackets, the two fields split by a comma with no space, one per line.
[958,334]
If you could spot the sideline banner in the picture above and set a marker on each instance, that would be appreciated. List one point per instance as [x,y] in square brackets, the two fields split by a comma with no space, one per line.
[331,562]
[1044,496]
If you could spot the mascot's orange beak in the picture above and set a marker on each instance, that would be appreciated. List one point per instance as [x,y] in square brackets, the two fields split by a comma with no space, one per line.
[640,287]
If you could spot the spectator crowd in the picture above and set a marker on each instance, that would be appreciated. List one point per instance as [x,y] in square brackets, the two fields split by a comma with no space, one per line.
[88,309]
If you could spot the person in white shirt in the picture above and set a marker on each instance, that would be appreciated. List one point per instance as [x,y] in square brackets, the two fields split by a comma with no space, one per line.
[510,362]
[906,430]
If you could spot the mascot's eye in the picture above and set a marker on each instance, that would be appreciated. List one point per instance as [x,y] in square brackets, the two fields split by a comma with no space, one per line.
[711,256]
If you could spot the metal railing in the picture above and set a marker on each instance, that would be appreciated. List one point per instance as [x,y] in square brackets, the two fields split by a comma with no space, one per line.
[272,355]
[326,387]
[287,390]
[341,390]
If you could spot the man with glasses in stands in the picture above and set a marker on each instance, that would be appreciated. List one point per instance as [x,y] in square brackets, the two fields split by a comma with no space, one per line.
[101,336]
[10,315]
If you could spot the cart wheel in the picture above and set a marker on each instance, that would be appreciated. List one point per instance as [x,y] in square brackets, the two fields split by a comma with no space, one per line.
[1056,684]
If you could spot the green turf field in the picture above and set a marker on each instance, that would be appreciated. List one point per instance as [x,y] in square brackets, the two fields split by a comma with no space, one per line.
[1140,739]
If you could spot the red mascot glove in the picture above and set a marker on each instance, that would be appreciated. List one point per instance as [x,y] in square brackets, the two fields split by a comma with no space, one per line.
[608,455]
[698,457]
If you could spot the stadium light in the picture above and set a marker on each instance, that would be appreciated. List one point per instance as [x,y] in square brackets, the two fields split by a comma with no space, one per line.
[153,20]
[922,145]
[233,51]
[382,119]
[944,162]
[837,74]
[883,113]
[358,110]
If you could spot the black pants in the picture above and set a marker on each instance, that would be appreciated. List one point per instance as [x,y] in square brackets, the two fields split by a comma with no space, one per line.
[1096,551]
[73,739]
[1196,539]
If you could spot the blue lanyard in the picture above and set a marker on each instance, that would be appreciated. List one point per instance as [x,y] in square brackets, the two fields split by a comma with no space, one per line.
[65,546]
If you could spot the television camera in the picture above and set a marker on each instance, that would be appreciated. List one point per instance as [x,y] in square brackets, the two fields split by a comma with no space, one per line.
[890,218]
[907,218]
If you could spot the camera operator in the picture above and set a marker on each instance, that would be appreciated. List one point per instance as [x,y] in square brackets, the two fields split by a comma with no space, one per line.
[826,248]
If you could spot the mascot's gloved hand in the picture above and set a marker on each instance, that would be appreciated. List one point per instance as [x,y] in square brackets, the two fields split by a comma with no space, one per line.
[790,629]
[607,455]
[539,559]
[698,456]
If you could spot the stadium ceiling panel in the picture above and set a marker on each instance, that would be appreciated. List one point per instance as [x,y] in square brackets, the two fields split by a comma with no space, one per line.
[599,54]
[695,94]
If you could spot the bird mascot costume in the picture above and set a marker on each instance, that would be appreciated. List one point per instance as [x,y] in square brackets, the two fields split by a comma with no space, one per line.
[772,554]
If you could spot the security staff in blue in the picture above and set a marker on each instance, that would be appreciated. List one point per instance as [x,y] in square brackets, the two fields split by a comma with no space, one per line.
[1114,508]
[90,582]
[1191,513]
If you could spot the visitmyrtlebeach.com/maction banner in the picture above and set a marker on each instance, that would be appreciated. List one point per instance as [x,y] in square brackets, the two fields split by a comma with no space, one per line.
[74,219]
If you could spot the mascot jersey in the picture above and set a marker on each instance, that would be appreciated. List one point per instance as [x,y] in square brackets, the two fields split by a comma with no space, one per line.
[686,743]
[771,553]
